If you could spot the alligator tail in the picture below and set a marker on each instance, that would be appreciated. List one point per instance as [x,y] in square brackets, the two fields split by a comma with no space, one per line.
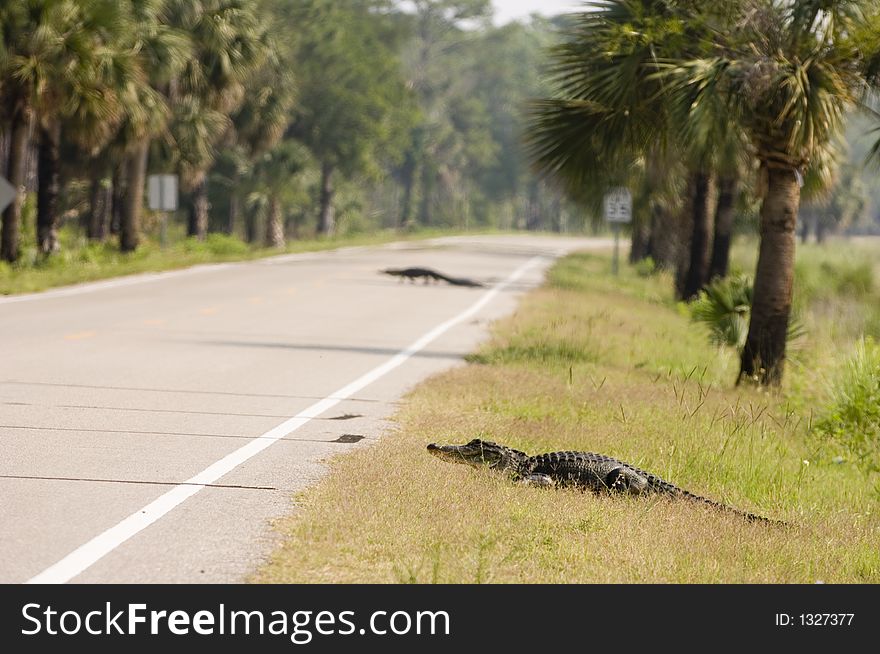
[661,486]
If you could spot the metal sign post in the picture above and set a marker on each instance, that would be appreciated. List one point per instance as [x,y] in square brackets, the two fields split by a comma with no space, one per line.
[618,210]
[163,197]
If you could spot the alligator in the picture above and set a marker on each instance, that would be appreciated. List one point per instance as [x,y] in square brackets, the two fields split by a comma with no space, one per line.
[430,275]
[585,470]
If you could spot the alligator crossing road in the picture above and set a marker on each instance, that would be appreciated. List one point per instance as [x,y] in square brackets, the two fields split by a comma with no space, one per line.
[152,427]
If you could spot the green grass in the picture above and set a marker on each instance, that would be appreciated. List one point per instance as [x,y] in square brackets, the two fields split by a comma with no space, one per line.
[590,362]
[851,419]
[80,261]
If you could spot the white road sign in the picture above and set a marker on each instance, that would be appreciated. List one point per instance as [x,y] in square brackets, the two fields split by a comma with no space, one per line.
[7,194]
[618,205]
[163,192]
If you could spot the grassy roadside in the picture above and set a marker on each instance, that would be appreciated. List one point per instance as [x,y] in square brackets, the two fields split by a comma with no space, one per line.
[589,363]
[79,262]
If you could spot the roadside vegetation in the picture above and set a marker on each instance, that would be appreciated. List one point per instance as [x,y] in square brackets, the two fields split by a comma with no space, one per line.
[703,109]
[84,261]
[617,366]
[282,119]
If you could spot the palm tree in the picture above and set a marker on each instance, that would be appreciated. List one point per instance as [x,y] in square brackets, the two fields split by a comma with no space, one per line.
[22,78]
[610,111]
[229,44]
[79,101]
[260,122]
[274,173]
[789,72]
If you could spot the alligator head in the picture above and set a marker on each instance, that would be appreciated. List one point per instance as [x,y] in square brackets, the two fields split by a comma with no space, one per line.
[480,453]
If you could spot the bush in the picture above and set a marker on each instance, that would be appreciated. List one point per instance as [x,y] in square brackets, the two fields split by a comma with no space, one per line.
[852,417]
[826,275]
[724,307]
[646,267]
[225,245]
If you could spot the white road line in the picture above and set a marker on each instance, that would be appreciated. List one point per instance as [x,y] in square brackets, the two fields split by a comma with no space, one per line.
[91,552]
[146,278]
[128,280]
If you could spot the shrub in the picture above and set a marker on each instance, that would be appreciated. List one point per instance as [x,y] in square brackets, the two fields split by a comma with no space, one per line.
[852,416]
[223,244]
[822,275]
[724,306]
[646,267]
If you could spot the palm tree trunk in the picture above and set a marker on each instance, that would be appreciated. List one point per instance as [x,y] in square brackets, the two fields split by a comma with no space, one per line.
[16,170]
[326,223]
[198,214]
[724,213]
[805,227]
[49,166]
[428,179]
[641,237]
[699,249]
[4,152]
[95,229]
[409,182]
[250,226]
[662,244]
[130,224]
[117,196]
[234,204]
[274,225]
[763,357]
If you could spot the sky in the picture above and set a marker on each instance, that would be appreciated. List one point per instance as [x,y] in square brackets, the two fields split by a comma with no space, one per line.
[506,10]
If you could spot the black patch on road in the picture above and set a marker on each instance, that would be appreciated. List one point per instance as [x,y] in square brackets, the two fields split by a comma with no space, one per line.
[347,416]
[349,438]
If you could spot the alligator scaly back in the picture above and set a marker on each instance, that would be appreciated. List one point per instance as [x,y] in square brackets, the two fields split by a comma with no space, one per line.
[586,470]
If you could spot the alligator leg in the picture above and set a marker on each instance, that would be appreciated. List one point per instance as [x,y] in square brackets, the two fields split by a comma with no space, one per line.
[626,480]
[544,481]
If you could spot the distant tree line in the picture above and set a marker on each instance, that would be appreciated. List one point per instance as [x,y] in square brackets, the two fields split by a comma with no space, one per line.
[278,116]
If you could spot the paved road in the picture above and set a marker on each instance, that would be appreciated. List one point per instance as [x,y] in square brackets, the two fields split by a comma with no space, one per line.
[152,427]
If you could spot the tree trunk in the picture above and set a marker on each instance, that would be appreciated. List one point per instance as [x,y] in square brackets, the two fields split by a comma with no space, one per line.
[724,214]
[804,219]
[326,222]
[234,205]
[117,196]
[684,228]
[49,166]
[16,170]
[95,229]
[641,237]
[699,249]
[198,213]
[274,225]
[428,178]
[534,218]
[136,174]
[410,168]
[763,357]
[663,240]
[4,152]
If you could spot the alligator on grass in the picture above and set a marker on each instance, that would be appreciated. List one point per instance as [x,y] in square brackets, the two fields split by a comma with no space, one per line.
[595,472]
[430,275]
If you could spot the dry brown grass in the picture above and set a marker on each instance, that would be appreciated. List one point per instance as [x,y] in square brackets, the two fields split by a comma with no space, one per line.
[580,367]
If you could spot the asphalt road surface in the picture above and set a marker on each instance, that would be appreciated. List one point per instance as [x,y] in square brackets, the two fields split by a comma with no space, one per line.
[152,427]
